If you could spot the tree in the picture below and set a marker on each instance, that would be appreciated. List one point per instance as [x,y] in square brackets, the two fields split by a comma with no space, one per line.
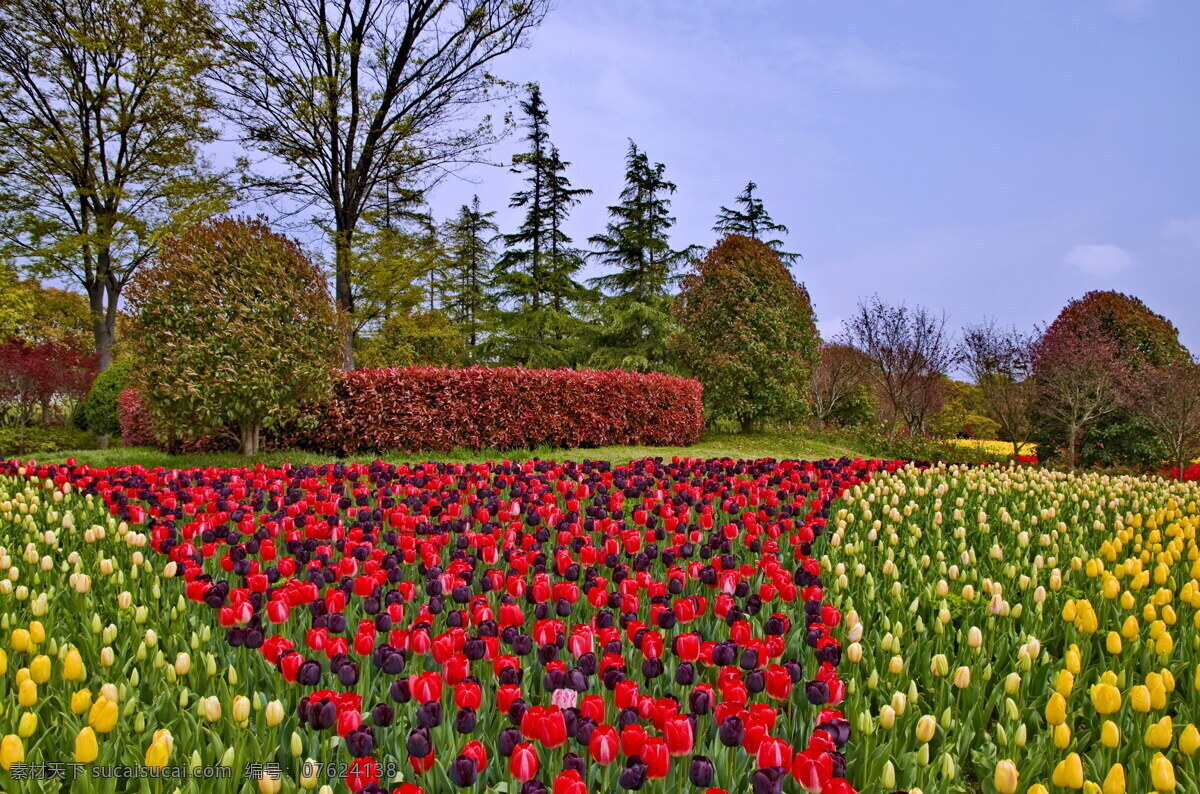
[999,361]
[1079,373]
[908,349]
[235,331]
[470,301]
[837,382]
[535,275]
[353,98]
[1143,341]
[35,374]
[103,110]
[746,330]
[753,220]
[427,338]
[635,318]
[1169,403]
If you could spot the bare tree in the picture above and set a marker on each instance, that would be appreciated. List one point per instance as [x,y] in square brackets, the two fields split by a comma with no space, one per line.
[1168,401]
[999,362]
[907,348]
[357,98]
[103,110]
[1079,378]
[840,371]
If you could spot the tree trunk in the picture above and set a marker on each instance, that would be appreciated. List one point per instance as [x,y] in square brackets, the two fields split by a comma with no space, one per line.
[250,432]
[45,411]
[749,425]
[1016,448]
[102,442]
[102,329]
[1071,432]
[343,294]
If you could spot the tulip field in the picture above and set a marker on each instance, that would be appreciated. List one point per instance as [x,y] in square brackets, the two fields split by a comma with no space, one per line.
[710,626]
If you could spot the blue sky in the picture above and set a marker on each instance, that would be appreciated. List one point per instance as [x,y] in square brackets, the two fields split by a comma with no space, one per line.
[989,159]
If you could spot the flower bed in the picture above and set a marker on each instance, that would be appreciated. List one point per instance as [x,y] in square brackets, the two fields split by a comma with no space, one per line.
[536,626]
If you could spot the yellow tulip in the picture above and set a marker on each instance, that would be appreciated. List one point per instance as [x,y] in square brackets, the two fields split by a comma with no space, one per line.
[241,709]
[1114,781]
[37,632]
[1036,788]
[1162,774]
[12,751]
[1110,734]
[926,727]
[1064,683]
[39,669]
[1139,698]
[73,666]
[1105,698]
[1069,772]
[1159,734]
[1189,740]
[27,725]
[27,693]
[103,715]
[275,714]
[1062,736]
[1112,643]
[81,701]
[1006,777]
[86,748]
[19,641]
[3,662]
[157,754]
[1056,709]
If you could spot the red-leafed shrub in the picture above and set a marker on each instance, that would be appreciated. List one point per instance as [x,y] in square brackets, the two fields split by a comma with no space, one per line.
[38,374]
[439,409]
[432,408]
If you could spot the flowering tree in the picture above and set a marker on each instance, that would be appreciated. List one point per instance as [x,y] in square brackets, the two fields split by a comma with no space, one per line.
[1168,402]
[1080,380]
[235,329]
[33,376]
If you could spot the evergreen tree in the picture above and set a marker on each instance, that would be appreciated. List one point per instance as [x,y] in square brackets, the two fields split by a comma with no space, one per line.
[635,316]
[753,220]
[536,273]
[469,298]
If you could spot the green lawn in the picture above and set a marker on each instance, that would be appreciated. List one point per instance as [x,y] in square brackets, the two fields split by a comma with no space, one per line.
[755,445]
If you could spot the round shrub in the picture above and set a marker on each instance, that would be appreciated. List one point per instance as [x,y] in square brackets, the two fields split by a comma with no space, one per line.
[99,411]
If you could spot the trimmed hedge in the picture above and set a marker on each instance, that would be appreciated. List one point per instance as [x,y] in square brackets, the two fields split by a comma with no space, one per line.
[440,409]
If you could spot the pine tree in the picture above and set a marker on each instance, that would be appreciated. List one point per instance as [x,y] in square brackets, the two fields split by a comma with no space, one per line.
[753,220]
[536,273]
[635,314]
[469,298]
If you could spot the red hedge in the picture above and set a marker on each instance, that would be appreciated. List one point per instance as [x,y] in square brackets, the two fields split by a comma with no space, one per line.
[438,409]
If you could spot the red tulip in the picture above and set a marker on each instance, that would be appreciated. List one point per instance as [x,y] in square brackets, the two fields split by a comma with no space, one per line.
[774,752]
[812,770]
[523,763]
[633,737]
[604,744]
[569,782]
[677,731]
[426,687]
[476,751]
[468,694]
[657,759]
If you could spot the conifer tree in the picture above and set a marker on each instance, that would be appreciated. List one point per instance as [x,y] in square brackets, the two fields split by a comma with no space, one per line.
[635,316]
[469,297]
[752,220]
[536,273]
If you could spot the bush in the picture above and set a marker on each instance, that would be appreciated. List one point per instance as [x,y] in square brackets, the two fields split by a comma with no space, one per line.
[235,331]
[140,428]
[99,411]
[747,332]
[431,408]
[42,440]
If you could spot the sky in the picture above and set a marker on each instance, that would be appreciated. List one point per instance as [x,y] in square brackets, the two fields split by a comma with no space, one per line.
[993,160]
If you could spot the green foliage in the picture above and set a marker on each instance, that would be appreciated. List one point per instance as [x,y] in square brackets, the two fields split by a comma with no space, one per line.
[752,220]
[856,408]
[962,413]
[539,325]
[36,440]
[634,317]
[748,333]
[99,411]
[469,298]
[427,338]
[104,107]
[235,329]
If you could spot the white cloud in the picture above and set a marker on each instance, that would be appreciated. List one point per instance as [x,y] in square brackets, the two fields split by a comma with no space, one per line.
[1104,259]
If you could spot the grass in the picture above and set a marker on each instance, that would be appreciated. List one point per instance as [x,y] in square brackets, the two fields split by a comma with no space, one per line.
[753,445]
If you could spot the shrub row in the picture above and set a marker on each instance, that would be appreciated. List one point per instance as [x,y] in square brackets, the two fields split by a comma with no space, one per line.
[439,409]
